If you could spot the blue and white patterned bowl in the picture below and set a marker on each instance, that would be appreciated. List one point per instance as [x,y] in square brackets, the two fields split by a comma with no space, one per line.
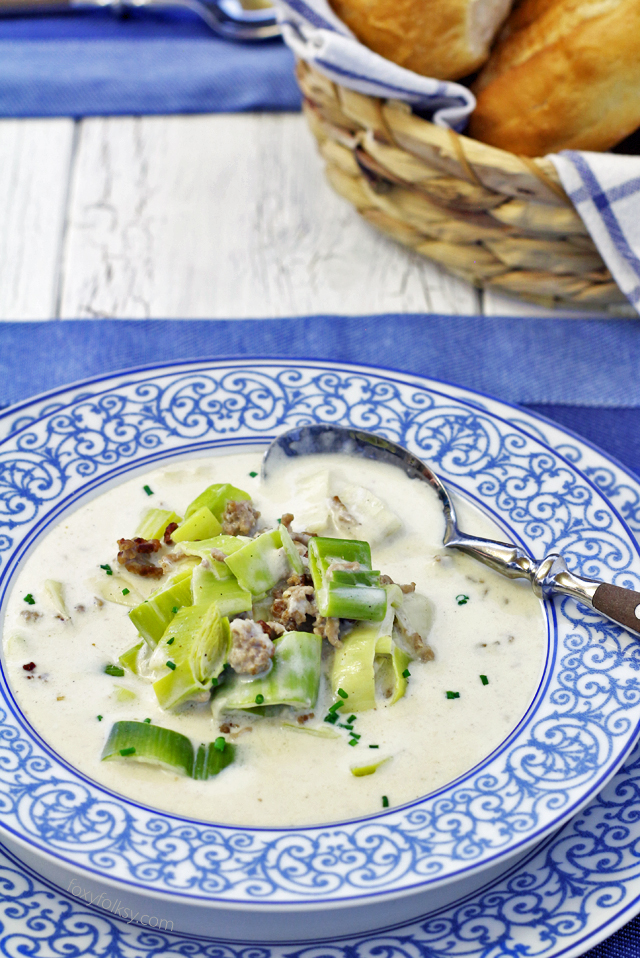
[262,884]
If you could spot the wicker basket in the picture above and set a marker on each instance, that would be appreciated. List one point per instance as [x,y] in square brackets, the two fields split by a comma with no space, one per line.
[498,220]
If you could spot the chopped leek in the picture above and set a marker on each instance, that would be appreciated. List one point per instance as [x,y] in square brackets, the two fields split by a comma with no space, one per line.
[123,694]
[55,594]
[198,652]
[226,544]
[129,659]
[152,616]
[211,759]
[154,522]
[341,593]
[293,680]
[373,521]
[289,546]
[260,563]
[201,524]
[215,499]
[112,590]
[319,732]
[153,745]
[228,594]
[360,770]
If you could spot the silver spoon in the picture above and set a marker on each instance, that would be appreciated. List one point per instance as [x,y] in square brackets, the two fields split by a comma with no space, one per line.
[227,18]
[548,576]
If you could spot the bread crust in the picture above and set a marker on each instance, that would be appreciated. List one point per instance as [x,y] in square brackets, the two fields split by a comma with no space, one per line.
[565,74]
[447,39]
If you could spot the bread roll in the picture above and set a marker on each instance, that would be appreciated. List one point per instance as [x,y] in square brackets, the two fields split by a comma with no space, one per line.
[447,39]
[565,74]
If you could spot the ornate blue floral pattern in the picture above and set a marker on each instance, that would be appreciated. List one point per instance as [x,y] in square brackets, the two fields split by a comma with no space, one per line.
[581,726]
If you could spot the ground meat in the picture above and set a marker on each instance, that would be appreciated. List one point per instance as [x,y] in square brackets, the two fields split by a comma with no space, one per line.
[301,719]
[329,629]
[239,518]
[218,555]
[168,541]
[340,511]
[300,603]
[135,556]
[251,649]
[275,629]
[29,667]
[286,520]
[30,615]
[405,589]
[341,565]
[301,537]
[422,649]
[295,579]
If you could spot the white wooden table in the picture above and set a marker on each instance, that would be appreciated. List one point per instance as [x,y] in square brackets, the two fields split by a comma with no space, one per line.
[181,217]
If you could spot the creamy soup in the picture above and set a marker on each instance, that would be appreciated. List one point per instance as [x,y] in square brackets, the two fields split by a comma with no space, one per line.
[487,635]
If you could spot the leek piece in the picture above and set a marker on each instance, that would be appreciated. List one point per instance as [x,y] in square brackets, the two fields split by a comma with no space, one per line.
[374,521]
[215,499]
[228,594]
[197,641]
[342,594]
[294,678]
[414,614]
[210,760]
[152,616]
[153,745]
[154,522]
[353,669]
[123,694]
[320,732]
[55,594]
[292,554]
[226,544]
[117,589]
[260,563]
[201,524]
[129,659]
[312,501]
[360,770]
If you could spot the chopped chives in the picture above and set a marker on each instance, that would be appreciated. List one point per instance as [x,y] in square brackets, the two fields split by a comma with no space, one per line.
[126,591]
[352,718]
[343,694]
[127,751]
[148,490]
[385,801]
[114,670]
[349,726]
[175,610]
[219,744]
[214,682]
[355,735]
[99,718]
[332,718]
[453,695]
[148,721]
[462,599]
[334,708]
[107,568]
[171,665]
[259,698]
[406,674]
[353,741]
[253,474]
[29,599]
[374,746]
[171,640]
[484,679]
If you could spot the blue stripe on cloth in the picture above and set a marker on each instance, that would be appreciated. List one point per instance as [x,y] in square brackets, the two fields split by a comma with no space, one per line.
[93,63]
[602,200]
[304,10]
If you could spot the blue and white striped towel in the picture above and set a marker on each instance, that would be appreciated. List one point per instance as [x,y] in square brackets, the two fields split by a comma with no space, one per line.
[604,187]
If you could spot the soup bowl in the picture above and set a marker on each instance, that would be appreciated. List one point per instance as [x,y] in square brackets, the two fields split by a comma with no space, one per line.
[318,882]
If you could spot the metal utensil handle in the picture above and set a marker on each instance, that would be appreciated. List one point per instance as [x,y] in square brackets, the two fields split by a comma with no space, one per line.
[618,604]
[33,6]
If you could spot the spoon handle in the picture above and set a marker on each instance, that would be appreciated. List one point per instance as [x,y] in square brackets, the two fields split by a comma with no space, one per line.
[618,604]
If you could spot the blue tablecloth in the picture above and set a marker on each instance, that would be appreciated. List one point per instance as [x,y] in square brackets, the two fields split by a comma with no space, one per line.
[93,63]
[583,374]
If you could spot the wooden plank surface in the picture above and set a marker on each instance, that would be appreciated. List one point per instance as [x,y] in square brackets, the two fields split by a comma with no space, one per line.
[35,159]
[227,216]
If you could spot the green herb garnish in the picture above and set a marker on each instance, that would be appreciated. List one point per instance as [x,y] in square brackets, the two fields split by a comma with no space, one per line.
[148,490]
[353,741]
[148,721]
[128,751]
[374,746]
[99,717]
[332,718]
[453,695]
[462,599]
[385,801]
[171,640]
[171,665]
[343,694]
[406,674]
[219,744]
[126,591]
[175,609]
[352,718]
[107,568]
[484,679]
[253,474]
[29,599]
[259,698]
[114,670]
